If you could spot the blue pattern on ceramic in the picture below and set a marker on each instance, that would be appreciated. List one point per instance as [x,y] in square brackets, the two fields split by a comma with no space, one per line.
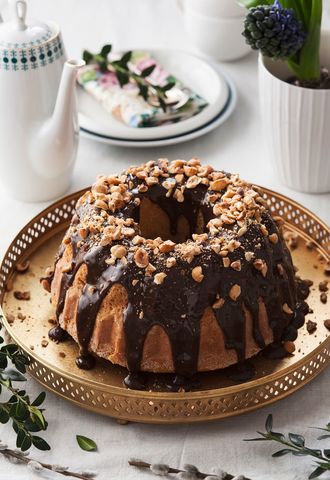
[31,58]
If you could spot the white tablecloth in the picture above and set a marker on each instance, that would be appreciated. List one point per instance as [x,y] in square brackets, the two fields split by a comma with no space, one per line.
[237,146]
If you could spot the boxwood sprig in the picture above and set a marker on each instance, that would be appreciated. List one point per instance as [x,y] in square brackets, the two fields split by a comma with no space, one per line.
[25,415]
[295,445]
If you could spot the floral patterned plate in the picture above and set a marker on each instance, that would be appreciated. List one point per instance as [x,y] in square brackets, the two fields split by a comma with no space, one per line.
[201,76]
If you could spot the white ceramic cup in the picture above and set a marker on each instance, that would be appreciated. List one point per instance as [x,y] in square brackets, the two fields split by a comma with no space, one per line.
[215,8]
[219,38]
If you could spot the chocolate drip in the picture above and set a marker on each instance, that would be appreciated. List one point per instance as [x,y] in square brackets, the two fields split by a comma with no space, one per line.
[85,362]
[57,334]
[178,304]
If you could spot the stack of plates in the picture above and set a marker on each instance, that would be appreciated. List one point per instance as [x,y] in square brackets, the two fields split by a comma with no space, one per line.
[204,78]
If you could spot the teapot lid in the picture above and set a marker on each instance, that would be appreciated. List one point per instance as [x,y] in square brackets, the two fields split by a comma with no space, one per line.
[22,33]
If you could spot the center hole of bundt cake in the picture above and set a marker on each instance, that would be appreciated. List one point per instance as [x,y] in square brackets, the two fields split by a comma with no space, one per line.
[170,220]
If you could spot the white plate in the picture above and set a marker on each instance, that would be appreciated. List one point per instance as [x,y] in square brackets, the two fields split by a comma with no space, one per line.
[222,116]
[194,72]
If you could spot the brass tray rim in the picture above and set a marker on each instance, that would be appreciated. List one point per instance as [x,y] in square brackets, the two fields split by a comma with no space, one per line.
[168,396]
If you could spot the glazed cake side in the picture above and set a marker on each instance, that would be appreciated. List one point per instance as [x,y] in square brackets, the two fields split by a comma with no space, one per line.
[174,267]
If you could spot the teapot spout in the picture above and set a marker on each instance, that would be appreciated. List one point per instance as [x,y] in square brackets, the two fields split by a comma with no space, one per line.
[55,146]
[65,106]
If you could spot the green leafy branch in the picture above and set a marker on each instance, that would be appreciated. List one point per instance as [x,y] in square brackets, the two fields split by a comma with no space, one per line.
[26,416]
[295,445]
[153,94]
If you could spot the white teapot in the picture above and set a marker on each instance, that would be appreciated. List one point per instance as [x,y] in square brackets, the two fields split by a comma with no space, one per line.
[38,117]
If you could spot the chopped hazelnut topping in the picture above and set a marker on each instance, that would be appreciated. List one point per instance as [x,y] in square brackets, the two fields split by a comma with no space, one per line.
[264,230]
[219,184]
[248,256]
[178,195]
[291,239]
[128,232]
[287,309]
[110,261]
[143,188]
[137,240]
[150,269]
[170,262]
[261,266]
[141,258]
[197,274]
[179,178]
[195,161]
[190,171]
[242,231]
[226,262]
[135,282]
[169,183]
[44,343]
[216,248]
[167,246]
[236,265]
[159,278]
[273,238]
[118,251]
[218,303]
[289,347]
[101,204]
[235,292]
[193,181]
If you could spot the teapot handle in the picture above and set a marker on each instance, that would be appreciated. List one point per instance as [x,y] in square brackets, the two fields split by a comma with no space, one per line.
[18,8]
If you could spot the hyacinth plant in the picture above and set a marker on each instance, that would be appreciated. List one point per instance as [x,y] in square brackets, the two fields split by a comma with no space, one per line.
[287,30]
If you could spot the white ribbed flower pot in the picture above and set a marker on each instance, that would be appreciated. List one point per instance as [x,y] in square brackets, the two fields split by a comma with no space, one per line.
[296,124]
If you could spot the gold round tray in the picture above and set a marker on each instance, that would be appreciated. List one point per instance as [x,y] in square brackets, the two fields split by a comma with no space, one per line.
[101,390]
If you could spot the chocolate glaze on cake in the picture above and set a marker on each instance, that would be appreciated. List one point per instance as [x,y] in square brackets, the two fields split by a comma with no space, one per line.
[233,257]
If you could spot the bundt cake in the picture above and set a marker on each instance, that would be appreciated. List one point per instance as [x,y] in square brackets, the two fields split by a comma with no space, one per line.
[174,267]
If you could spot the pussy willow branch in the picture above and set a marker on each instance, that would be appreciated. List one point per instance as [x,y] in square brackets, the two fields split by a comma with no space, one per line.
[199,475]
[22,459]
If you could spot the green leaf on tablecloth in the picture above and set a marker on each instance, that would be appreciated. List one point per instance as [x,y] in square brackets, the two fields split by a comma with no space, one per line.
[86,443]
[280,453]
[39,400]
[4,415]
[38,417]
[317,473]
[13,375]
[40,443]
[269,423]
[297,440]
